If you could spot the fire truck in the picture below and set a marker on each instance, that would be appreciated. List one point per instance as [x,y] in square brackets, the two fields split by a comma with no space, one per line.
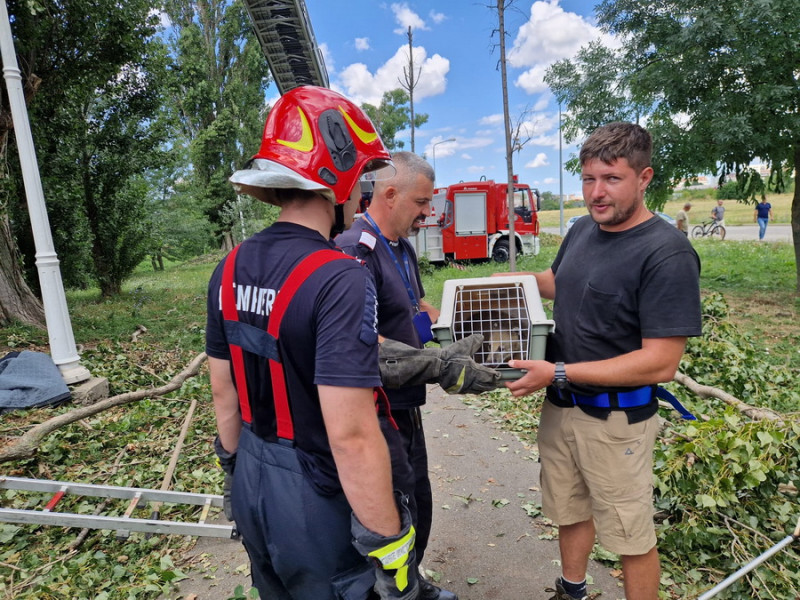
[469,221]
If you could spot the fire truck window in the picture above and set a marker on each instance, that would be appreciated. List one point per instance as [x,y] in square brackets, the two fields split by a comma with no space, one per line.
[447,215]
[471,214]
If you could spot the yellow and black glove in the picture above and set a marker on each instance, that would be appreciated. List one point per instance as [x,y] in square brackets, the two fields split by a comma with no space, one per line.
[394,557]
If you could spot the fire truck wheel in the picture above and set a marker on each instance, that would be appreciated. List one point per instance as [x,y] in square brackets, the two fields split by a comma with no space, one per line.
[500,252]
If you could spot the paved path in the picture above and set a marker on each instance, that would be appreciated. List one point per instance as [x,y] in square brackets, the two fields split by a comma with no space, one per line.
[484,546]
[775,232]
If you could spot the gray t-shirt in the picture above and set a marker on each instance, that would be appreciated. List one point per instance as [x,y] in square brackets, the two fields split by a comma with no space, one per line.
[614,289]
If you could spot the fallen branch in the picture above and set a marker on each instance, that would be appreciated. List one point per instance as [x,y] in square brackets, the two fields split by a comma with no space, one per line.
[707,391]
[26,445]
[140,329]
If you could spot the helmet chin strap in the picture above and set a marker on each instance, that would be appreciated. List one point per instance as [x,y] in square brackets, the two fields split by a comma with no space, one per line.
[338,226]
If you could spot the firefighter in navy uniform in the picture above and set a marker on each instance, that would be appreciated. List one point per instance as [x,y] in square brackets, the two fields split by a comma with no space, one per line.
[293,356]
[380,238]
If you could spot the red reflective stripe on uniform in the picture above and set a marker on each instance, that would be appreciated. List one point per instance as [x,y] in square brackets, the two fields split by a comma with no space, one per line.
[229,313]
[297,277]
[379,394]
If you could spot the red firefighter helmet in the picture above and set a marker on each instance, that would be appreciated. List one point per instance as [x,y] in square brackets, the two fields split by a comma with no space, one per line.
[314,139]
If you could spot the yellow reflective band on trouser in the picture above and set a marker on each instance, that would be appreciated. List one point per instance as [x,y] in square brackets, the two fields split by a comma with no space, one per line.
[395,556]
[459,383]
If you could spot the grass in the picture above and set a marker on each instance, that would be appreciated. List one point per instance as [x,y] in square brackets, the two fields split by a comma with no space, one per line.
[736,213]
[131,445]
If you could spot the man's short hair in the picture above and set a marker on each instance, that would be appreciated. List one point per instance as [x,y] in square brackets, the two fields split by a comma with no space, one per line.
[613,141]
[408,166]
[687,205]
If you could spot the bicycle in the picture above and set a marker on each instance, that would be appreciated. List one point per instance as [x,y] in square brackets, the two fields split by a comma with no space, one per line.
[708,228]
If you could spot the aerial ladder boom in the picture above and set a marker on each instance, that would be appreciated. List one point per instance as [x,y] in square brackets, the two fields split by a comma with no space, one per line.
[284,31]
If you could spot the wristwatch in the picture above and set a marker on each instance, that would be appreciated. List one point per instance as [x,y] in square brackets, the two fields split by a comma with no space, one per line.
[560,379]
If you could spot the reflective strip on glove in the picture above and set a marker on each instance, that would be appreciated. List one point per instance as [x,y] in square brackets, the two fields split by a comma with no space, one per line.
[395,556]
[459,384]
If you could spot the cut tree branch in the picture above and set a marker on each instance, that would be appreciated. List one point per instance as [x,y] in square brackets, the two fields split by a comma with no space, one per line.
[27,444]
[707,391]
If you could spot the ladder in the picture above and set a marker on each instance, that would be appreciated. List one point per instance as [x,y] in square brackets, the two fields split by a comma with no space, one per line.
[287,40]
[137,498]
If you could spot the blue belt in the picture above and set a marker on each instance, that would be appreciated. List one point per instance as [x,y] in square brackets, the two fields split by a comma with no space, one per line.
[631,399]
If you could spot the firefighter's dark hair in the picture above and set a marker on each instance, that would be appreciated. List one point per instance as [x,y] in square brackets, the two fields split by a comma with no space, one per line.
[619,140]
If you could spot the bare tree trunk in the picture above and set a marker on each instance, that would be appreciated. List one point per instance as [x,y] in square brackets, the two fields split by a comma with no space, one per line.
[512,238]
[410,81]
[17,301]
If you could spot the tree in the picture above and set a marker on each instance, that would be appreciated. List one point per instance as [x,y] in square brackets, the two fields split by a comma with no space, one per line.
[17,302]
[217,88]
[391,116]
[716,85]
[97,67]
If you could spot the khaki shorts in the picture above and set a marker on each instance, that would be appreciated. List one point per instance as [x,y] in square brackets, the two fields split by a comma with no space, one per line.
[599,469]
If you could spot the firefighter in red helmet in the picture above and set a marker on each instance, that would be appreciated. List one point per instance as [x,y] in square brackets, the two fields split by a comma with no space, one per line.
[293,356]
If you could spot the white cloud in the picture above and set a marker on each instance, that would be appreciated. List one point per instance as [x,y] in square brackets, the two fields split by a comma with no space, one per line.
[542,103]
[443,148]
[362,44]
[549,141]
[362,86]
[406,18]
[549,180]
[539,161]
[476,169]
[532,80]
[437,17]
[475,142]
[327,58]
[466,156]
[491,119]
[550,35]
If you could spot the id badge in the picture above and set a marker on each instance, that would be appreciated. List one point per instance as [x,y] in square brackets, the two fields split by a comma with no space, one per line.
[422,323]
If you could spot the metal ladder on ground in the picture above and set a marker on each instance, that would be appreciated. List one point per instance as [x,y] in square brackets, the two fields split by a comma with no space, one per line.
[137,498]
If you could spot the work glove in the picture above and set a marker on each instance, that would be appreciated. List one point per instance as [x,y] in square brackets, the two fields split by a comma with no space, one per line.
[394,557]
[452,367]
[227,461]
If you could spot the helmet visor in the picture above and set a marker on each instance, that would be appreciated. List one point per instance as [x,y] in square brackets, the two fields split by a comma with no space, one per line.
[377,169]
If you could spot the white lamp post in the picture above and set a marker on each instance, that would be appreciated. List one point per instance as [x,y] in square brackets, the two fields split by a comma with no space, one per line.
[434,149]
[59,327]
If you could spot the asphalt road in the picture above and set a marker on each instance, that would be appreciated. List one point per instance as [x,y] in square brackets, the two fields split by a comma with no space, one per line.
[775,232]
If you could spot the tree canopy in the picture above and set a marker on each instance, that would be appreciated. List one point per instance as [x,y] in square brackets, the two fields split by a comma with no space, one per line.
[136,117]
[715,85]
[218,83]
[94,73]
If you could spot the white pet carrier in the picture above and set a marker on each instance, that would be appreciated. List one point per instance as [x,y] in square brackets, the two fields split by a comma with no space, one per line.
[508,312]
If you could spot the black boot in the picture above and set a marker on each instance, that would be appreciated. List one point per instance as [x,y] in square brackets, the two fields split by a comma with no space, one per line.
[428,591]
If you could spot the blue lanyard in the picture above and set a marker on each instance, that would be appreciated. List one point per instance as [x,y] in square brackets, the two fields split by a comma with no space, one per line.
[405,274]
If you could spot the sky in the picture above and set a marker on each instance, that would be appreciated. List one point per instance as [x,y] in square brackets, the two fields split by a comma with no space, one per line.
[365,46]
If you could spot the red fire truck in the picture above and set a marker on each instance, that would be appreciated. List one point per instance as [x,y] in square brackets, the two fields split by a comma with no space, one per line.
[470,221]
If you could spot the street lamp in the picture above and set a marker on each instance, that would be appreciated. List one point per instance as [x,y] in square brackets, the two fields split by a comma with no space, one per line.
[434,150]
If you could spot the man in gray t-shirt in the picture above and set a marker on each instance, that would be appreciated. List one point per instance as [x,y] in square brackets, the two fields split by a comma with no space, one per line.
[718,213]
